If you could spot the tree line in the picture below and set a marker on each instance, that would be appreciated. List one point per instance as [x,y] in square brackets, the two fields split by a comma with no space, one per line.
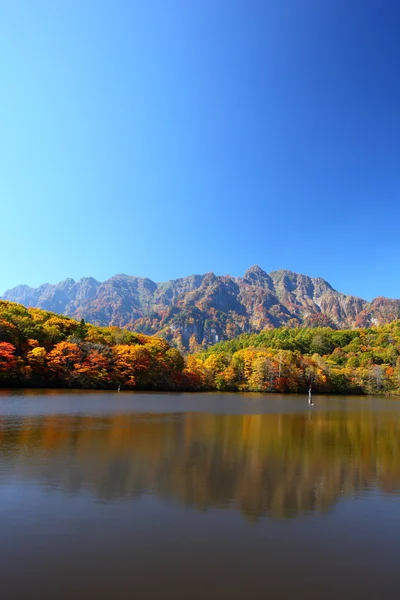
[39,348]
[42,349]
[356,361]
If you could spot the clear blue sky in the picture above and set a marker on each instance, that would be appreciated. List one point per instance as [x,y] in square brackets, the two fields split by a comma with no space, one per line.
[162,138]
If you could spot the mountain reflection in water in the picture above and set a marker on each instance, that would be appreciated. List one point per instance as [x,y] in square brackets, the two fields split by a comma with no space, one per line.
[281,465]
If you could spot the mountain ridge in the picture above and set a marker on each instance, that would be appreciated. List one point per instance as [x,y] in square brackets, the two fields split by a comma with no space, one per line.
[204,309]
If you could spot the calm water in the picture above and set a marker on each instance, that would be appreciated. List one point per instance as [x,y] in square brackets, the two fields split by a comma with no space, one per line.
[198,496]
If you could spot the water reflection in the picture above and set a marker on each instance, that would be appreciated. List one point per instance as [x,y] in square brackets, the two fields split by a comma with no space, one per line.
[276,464]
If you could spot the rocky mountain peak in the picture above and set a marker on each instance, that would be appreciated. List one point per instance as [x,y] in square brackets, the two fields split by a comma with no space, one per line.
[255,270]
[256,273]
[208,307]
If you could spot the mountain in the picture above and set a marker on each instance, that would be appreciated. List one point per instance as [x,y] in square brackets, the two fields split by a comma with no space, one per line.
[204,309]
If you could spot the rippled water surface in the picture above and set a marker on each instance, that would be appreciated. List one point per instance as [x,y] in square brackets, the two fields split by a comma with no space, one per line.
[106,495]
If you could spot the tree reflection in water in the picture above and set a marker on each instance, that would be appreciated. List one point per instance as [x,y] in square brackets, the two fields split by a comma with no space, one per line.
[280,465]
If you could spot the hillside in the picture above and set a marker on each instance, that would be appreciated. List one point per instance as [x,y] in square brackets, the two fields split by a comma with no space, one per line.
[40,348]
[201,310]
[365,361]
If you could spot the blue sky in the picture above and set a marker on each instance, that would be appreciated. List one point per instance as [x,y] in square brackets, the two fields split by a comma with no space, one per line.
[163,138]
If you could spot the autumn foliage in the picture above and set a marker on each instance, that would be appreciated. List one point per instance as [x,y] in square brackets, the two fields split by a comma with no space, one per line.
[357,361]
[39,348]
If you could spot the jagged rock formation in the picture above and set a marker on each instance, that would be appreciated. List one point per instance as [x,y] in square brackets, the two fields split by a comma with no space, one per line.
[204,309]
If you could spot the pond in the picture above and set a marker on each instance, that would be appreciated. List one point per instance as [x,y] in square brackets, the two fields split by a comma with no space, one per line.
[107,495]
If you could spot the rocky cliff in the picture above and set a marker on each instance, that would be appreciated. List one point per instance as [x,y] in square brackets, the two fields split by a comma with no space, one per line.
[204,309]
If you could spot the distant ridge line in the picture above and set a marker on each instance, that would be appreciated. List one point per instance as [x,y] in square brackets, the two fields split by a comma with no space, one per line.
[200,310]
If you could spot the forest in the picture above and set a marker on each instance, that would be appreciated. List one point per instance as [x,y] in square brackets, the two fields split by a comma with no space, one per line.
[41,349]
